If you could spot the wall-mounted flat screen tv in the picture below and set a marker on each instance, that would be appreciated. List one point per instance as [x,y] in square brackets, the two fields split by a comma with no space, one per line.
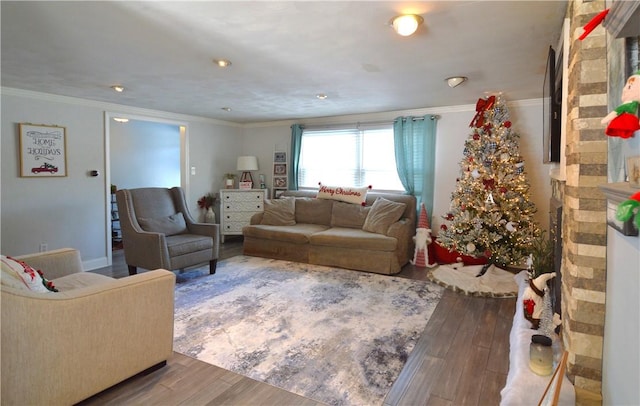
[551,108]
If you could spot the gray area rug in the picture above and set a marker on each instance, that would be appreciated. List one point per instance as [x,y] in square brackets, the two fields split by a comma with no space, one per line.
[337,336]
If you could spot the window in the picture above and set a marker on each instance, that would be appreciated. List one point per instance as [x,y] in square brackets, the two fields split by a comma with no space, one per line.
[349,157]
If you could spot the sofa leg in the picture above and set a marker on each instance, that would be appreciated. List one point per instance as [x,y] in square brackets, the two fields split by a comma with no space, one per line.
[212,266]
[154,368]
[132,269]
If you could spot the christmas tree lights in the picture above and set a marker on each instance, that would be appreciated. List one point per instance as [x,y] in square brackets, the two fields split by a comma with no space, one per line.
[491,214]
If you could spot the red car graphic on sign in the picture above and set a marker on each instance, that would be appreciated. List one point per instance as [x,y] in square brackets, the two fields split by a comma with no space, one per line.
[45,167]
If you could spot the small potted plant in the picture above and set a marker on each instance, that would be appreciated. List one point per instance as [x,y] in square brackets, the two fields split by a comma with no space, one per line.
[229,180]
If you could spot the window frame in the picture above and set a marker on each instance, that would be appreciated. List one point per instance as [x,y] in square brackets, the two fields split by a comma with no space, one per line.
[360,143]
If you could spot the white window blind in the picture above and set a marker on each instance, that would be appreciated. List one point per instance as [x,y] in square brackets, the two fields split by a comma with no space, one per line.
[349,157]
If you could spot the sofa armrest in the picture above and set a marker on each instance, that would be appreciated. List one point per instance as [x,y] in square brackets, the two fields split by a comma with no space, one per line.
[403,232]
[55,263]
[256,218]
[150,250]
[74,344]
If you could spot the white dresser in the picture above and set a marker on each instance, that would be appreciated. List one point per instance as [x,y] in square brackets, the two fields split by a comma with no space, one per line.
[236,208]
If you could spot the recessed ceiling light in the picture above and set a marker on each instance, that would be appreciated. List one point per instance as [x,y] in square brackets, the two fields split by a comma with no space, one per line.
[321,96]
[226,108]
[118,88]
[121,119]
[222,63]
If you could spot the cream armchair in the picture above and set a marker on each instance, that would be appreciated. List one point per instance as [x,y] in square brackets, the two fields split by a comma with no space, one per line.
[159,232]
[59,348]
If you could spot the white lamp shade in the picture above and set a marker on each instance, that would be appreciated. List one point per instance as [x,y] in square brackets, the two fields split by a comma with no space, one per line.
[247,163]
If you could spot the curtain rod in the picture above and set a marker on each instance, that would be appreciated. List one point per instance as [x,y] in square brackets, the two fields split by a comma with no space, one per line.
[365,123]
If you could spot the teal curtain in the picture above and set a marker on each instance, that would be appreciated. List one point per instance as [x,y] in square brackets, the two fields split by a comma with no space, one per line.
[415,145]
[296,141]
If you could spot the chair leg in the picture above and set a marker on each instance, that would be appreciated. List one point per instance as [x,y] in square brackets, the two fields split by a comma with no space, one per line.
[132,269]
[212,266]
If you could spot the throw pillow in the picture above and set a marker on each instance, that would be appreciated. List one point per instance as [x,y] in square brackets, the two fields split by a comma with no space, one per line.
[356,195]
[17,274]
[348,215]
[383,213]
[279,212]
[170,225]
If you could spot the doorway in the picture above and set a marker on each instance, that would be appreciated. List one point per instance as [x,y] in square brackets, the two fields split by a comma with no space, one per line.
[140,152]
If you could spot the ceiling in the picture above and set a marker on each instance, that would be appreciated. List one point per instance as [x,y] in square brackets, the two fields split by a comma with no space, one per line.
[283,53]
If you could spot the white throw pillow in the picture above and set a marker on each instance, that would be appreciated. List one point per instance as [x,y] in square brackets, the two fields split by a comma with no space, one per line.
[17,274]
[355,195]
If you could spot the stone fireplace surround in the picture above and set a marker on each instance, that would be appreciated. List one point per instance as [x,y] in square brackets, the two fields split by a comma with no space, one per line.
[584,205]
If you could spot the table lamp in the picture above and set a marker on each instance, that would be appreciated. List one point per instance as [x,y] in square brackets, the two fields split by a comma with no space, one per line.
[246,164]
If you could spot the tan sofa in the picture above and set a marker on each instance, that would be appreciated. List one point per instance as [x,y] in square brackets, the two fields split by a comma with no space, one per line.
[329,232]
[59,348]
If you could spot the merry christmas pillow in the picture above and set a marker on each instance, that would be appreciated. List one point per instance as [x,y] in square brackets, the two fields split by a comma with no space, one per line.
[18,275]
[355,195]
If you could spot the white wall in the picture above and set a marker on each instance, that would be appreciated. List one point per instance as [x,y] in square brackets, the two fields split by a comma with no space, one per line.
[72,211]
[144,154]
[621,354]
[452,130]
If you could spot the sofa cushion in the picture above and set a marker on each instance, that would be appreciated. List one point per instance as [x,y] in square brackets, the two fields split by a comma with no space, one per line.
[298,234]
[313,211]
[181,244]
[279,212]
[348,215]
[169,225]
[355,195]
[383,213]
[80,280]
[353,238]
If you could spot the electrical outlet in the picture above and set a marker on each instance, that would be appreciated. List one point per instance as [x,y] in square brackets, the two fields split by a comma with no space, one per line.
[44,247]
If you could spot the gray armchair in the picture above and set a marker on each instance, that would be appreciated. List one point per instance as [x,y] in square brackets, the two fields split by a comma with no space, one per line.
[159,232]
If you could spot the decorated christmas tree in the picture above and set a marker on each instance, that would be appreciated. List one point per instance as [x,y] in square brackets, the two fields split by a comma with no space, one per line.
[491,214]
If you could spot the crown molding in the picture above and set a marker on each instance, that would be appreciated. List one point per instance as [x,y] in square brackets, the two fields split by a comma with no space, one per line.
[112,107]
[116,109]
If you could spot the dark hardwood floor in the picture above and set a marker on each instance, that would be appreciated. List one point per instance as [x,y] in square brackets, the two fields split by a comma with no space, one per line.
[462,358]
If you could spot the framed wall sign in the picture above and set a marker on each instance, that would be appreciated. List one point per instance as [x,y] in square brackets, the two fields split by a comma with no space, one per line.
[43,150]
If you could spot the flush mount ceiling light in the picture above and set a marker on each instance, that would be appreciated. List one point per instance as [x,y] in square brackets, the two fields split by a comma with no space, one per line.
[456,80]
[118,88]
[407,24]
[321,96]
[222,63]
[227,109]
